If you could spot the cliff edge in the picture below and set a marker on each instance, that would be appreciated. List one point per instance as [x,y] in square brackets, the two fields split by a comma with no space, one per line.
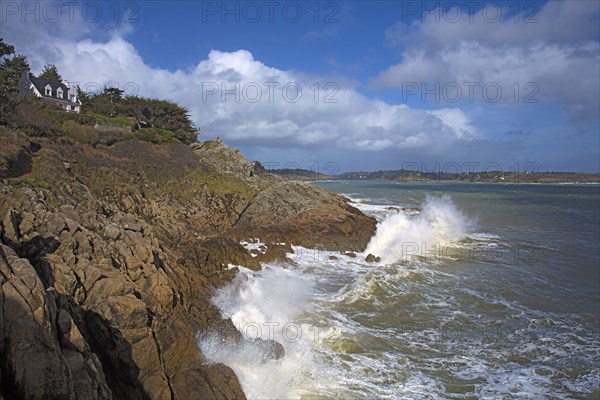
[110,253]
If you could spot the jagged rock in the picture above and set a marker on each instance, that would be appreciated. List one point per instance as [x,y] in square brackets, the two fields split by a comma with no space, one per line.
[129,204]
[112,232]
[69,212]
[130,223]
[140,248]
[33,356]
[120,273]
[270,349]
[72,226]
[370,258]
[305,215]
[27,224]
[71,336]
[55,224]
[10,222]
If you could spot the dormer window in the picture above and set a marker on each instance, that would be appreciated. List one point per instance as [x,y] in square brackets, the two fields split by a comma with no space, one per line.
[59,93]
[48,90]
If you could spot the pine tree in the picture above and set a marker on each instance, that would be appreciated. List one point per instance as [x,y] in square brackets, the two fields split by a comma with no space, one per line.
[50,73]
[11,69]
[5,49]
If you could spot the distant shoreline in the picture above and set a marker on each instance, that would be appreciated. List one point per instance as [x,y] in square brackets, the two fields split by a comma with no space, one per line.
[456,182]
[424,177]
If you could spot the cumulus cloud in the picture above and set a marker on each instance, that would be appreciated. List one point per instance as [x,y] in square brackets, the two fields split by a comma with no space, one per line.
[545,53]
[235,96]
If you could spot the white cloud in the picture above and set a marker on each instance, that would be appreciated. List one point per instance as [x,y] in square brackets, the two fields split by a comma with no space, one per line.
[270,107]
[553,55]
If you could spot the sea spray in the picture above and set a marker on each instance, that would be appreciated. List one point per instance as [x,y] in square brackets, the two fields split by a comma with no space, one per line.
[400,235]
[269,305]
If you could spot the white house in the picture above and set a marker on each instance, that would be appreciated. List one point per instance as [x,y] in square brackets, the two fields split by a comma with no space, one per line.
[60,93]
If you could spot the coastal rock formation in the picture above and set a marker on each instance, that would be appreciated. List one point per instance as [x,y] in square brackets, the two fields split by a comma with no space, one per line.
[305,215]
[109,256]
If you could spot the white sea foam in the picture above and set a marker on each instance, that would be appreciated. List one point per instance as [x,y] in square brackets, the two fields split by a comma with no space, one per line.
[387,318]
[270,305]
[400,236]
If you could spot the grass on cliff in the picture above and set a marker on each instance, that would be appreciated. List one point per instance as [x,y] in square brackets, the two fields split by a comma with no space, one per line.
[42,177]
[220,184]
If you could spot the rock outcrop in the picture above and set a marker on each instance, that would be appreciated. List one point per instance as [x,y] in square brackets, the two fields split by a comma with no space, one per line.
[109,257]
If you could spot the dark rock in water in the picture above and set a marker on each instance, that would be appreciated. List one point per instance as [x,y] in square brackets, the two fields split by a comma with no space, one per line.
[411,210]
[396,209]
[270,349]
[371,258]
[350,254]
[333,258]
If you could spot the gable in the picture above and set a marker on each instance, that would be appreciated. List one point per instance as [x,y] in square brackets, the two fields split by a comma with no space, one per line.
[50,89]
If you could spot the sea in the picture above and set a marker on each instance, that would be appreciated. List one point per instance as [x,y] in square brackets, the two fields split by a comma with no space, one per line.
[480,291]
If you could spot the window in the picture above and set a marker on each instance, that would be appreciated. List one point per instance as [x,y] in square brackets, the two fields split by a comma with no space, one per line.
[48,90]
[59,93]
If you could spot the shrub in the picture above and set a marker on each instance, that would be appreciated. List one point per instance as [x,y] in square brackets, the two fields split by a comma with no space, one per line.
[81,133]
[157,135]
[34,117]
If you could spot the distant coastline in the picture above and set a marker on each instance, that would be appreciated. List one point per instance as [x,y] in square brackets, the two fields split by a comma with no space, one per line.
[418,176]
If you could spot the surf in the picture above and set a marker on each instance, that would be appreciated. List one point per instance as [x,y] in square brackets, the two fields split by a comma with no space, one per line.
[401,236]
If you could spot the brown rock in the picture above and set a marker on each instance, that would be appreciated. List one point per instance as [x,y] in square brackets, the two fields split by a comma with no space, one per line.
[112,232]
[31,352]
[305,215]
[134,264]
[55,224]
[69,212]
[10,222]
[129,222]
[371,258]
[26,226]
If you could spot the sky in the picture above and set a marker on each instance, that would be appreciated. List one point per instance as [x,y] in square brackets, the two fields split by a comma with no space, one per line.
[346,86]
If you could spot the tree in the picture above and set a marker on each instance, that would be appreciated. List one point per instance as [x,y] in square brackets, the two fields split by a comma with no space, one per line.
[50,73]
[114,94]
[6,49]
[11,69]
[84,97]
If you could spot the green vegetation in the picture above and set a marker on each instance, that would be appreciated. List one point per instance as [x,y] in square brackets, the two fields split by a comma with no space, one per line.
[157,135]
[50,73]
[220,184]
[152,120]
[44,147]
[130,122]
[11,69]
[158,121]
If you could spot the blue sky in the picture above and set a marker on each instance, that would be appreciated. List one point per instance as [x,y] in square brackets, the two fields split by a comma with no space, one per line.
[382,84]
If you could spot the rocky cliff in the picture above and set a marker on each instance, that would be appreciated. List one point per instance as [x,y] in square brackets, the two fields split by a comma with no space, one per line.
[109,256]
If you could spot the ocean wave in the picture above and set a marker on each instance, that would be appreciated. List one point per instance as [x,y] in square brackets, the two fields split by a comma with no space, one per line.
[400,236]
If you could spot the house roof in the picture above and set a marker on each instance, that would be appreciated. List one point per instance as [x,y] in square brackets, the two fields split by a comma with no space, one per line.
[40,85]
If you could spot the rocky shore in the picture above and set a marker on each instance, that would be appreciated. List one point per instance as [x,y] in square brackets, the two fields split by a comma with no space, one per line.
[109,256]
